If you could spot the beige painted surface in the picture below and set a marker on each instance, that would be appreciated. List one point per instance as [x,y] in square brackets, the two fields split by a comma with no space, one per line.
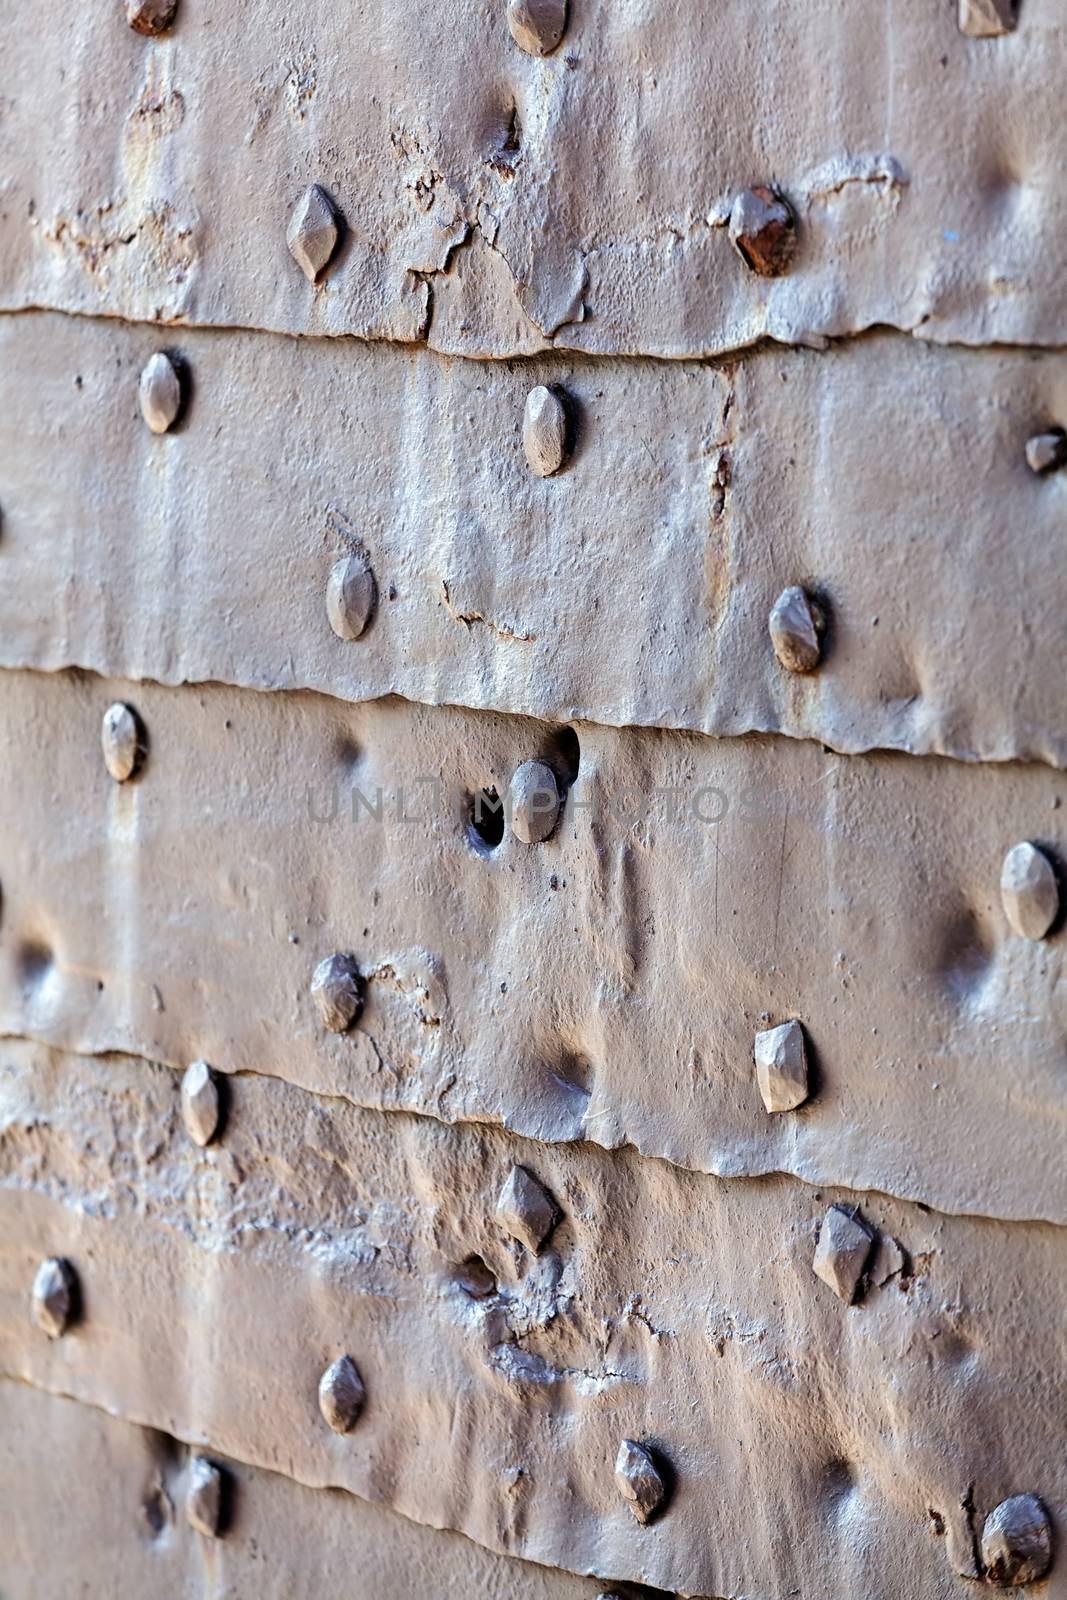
[66,1469]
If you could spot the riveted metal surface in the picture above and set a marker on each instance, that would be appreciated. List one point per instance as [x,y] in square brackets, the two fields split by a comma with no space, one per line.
[533,880]
[497,1405]
[495,201]
[604,985]
[66,1467]
[634,587]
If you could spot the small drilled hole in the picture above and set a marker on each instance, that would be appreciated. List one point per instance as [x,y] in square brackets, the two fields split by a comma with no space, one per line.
[485,822]
[563,753]
[35,962]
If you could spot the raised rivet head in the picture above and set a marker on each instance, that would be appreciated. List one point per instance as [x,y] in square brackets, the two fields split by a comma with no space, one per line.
[1017,1541]
[544,431]
[150,16]
[987,19]
[796,625]
[341,1394]
[160,392]
[55,1296]
[122,738]
[763,231]
[639,1480]
[533,802]
[526,1210]
[537,26]
[200,1103]
[337,990]
[1047,452]
[843,1250]
[313,232]
[782,1066]
[203,1497]
[1029,892]
[351,595]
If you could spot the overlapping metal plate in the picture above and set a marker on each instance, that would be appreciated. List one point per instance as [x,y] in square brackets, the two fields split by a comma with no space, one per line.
[633,588]
[495,202]
[812,1444]
[606,985]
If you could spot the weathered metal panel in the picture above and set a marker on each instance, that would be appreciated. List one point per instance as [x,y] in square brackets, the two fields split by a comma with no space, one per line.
[635,587]
[496,201]
[606,985]
[563,1180]
[815,1447]
[94,1506]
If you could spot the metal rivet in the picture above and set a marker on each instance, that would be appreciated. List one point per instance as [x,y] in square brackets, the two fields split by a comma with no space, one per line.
[313,232]
[544,431]
[1029,892]
[351,595]
[537,26]
[123,740]
[796,627]
[533,802]
[203,1499]
[763,231]
[200,1103]
[1017,1541]
[987,19]
[341,1394]
[843,1250]
[160,392]
[337,990]
[782,1066]
[639,1480]
[150,16]
[1047,452]
[55,1296]
[526,1209]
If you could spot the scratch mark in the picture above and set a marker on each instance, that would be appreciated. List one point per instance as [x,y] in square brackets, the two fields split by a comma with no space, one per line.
[469,618]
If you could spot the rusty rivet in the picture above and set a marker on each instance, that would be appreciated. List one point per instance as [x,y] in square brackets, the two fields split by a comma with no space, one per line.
[341,1394]
[160,392]
[203,1497]
[526,1209]
[782,1066]
[537,26]
[1047,452]
[150,16]
[533,802]
[1017,1541]
[639,1480]
[843,1250]
[337,990]
[122,738]
[55,1296]
[796,627]
[351,594]
[1029,892]
[200,1103]
[544,431]
[313,232]
[763,231]
[987,19]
